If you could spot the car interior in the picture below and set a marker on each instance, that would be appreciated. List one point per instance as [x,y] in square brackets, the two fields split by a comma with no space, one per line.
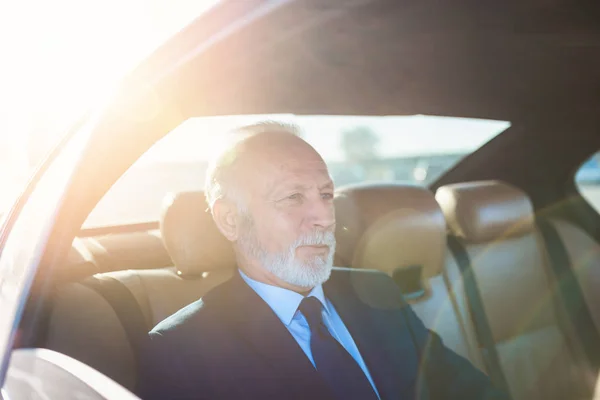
[500,256]
[398,229]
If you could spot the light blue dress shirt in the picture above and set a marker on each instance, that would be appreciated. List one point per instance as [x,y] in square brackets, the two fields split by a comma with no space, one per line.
[285,303]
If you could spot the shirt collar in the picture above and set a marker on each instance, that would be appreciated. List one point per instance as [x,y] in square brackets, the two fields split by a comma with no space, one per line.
[283,302]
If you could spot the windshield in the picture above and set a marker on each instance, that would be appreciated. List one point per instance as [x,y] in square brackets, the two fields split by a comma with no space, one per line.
[415,149]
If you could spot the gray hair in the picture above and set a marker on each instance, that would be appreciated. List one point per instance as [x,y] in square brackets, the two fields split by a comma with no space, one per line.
[223,171]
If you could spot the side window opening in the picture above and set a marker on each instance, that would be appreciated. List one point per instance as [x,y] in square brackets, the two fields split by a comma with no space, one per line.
[414,149]
[587,180]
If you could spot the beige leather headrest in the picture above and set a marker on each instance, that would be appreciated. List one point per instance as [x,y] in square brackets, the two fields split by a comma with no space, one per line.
[191,236]
[486,210]
[389,227]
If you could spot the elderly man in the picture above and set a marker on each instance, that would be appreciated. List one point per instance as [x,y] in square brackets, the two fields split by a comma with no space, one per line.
[288,325]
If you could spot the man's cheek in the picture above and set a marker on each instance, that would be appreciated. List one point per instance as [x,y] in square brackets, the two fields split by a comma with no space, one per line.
[283,230]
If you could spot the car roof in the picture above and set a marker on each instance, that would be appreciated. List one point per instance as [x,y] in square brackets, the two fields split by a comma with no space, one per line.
[483,59]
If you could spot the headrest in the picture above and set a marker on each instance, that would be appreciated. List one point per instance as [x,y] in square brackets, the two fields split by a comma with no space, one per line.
[389,227]
[191,236]
[486,210]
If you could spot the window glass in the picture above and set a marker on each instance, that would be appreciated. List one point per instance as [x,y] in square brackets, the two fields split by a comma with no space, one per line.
[587,179]
[415,149]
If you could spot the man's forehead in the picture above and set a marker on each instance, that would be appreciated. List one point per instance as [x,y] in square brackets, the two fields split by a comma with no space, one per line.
[303,174]
[295,164]
[271,176]
[271,160]
[295,173]
[292,155]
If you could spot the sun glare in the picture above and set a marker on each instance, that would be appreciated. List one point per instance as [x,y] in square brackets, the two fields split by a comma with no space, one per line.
[59,55]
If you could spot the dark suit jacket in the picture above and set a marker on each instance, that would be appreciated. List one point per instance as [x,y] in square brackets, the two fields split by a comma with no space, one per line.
[231,345]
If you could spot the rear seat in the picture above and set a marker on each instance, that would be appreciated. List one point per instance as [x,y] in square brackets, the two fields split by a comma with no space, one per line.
[538,352]
[400,230]
[87,327]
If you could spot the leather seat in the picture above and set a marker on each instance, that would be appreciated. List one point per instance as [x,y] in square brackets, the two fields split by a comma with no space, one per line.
[538,352]
[401,230]
[584,254]
[85,326]
[202,258]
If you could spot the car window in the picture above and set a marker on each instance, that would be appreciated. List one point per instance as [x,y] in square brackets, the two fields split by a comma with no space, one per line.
[415,149]
[587,180]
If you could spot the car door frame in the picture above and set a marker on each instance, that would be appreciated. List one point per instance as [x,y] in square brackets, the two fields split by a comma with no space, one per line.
[41,186]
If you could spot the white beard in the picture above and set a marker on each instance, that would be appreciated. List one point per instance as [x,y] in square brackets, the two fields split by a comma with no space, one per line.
[284,265]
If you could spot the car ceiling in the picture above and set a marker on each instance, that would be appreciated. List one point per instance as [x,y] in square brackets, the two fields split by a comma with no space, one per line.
[483,59]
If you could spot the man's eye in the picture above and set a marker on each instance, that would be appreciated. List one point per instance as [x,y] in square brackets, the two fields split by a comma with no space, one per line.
[327,196]
[295,196]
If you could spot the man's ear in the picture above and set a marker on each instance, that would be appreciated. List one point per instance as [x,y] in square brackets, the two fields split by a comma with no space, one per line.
[225,215]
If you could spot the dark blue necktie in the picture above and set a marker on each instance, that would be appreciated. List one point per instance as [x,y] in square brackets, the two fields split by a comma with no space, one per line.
[337,367]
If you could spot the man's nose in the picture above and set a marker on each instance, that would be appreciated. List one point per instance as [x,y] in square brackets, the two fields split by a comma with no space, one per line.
[322,214]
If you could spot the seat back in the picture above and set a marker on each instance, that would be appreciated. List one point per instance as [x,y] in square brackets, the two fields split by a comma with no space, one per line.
[88,327]
[202,259]
[400,230]
[84,326]
[584,254]
[538,352]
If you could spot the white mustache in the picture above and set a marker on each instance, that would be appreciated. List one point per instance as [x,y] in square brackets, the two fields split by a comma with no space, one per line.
[317,238]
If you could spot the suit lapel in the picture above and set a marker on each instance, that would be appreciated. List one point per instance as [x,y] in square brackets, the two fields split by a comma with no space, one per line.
[256,323]
[381,335]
